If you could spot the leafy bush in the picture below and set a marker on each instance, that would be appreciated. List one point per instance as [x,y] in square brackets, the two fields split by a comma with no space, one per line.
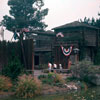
[42,76]
[84,69]
[28,86]
[52,79]
[83,85]
[5,83]
[13,69]
[72,78]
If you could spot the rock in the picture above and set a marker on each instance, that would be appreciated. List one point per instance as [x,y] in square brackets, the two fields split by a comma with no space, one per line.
[72,87]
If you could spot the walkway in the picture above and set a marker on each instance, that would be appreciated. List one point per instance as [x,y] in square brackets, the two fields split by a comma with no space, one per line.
[38,73]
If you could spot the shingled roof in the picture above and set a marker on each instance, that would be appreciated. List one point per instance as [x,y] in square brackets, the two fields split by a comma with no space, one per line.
[45,33]
[74,24]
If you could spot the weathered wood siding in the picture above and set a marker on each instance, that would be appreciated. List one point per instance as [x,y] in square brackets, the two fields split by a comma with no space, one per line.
[90,36]
[10,49]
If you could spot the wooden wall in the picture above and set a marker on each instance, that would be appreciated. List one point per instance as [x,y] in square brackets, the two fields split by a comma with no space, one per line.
[12,49]
[80,37]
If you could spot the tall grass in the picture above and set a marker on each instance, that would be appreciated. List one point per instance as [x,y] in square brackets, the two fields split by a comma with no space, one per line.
[5,83]
[28,86]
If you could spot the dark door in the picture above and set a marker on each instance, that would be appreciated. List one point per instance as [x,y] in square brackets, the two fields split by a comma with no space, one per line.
[36,60]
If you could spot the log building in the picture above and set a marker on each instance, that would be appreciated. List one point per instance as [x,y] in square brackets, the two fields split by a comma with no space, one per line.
[81,36]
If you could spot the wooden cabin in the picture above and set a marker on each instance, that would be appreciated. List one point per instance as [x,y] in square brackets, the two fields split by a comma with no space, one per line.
[43,43]
[47,44]
[81,36]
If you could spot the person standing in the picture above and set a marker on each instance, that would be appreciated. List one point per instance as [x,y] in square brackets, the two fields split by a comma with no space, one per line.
[55,67]
[69,63]
[49,66]
[60,67]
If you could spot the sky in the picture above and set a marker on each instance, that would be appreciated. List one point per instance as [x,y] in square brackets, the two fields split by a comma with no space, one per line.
[60,12]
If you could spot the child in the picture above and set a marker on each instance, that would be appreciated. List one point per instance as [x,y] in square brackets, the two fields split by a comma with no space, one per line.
[60,67]
[55,67]
[49,66]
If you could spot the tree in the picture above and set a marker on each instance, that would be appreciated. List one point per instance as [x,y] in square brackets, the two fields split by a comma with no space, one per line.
[25,14]
[89,21]
[98,21]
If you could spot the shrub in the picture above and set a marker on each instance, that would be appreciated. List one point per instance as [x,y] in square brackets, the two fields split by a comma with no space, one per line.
[5,83]
[84,69]
[28,86]
[59,79]
[53,79]
[42,77]
[13,69]
[69,79]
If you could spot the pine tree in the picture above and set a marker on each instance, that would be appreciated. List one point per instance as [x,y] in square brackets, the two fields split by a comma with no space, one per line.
[25,14]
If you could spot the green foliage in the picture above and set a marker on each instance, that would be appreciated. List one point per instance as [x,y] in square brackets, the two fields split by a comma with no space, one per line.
[25,14]
[83,85]
[28,86]
[42,77]
[13,69]
[84,69]
[89,21]
[5,83]
[98,23]
[92,21]
[52,79]
[72,78]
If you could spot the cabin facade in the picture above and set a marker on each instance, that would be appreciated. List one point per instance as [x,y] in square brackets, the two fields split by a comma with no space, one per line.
[43,44]
[81,36]
[47,45]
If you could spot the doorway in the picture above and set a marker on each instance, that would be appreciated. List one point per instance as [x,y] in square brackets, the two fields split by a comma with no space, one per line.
[36,58]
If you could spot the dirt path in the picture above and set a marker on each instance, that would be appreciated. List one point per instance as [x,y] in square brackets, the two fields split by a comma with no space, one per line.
[38,73]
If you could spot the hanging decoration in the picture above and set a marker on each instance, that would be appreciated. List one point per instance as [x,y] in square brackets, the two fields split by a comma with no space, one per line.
[59,34]
[66,52]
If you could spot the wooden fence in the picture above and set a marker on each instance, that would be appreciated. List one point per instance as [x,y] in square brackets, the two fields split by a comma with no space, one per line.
[23,50]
